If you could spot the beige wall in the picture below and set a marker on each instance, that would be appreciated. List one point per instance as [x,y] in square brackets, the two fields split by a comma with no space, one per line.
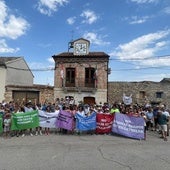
[2,83]
[20,76]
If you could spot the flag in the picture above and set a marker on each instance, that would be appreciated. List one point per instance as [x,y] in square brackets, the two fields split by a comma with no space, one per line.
[86,123]
[65,120]
[129,126]
[24,120]
[127,99]
[104,123]
[47,119]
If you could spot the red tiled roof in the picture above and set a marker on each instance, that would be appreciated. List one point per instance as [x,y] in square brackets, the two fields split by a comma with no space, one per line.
[91,54]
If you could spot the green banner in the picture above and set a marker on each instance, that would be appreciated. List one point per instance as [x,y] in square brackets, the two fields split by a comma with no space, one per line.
[27,120]
[1,123]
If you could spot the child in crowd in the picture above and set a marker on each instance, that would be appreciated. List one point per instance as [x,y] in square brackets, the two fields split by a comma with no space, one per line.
[7,123]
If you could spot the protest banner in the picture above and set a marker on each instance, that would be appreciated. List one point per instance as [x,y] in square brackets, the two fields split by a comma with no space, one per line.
[27,120]
[104,123]
[47,119]
[128,126]
[86,123]
[1,124]
[65,120]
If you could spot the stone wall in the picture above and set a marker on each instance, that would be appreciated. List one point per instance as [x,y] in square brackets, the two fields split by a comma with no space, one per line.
[46,93]
[142,92]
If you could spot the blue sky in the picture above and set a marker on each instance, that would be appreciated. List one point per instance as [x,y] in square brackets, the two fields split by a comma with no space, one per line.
[135,33]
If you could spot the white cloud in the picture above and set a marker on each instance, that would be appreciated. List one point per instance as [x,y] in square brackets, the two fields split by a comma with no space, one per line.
[167,10]
[47,7]
[151,77]
[71,20]
[3,13]
[95,39]
[138,20]
[11,26]
[5,49]
[50,60]
[145,1]
[156,77]
[156,62]
[142,47]
[90,16]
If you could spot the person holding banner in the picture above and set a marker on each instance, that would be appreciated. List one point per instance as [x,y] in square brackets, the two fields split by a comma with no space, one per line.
[82,113]
[57,111]
[107,111]
[114,109]
[65,120]
[38,129]
[145,119]
[17,109]
[47,129]
[28,107]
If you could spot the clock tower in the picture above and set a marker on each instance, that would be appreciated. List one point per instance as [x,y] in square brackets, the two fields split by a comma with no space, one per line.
[81,47]
[81,73]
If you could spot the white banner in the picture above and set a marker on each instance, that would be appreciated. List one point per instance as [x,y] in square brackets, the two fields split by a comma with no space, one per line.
[48,119]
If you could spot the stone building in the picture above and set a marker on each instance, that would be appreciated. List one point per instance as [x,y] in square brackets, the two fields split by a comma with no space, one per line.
[81,74]
[145,92]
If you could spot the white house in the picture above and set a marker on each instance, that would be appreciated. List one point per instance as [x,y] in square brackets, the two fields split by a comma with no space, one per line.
[14,71]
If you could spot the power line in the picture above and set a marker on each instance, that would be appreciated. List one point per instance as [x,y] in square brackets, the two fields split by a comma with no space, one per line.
[120,69]
[140,59]
[40,69]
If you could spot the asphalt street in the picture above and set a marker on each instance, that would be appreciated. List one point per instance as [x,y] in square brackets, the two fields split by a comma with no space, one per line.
[84,152]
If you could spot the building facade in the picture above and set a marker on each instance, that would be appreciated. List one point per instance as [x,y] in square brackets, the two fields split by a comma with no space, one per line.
[14,71]
[81,74]
[16,82]
[145,92]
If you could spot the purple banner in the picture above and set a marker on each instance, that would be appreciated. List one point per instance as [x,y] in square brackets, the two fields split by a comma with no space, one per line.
[65,120]
[129,126]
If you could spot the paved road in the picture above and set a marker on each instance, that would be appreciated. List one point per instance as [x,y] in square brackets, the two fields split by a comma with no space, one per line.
[85,152]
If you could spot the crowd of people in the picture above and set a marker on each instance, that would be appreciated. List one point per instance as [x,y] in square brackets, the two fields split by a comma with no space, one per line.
[156,117]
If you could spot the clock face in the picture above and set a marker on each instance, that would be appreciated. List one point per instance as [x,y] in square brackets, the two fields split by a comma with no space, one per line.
[80,48]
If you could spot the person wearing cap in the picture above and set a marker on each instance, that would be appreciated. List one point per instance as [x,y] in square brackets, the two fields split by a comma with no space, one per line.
[162,121]
[28,107]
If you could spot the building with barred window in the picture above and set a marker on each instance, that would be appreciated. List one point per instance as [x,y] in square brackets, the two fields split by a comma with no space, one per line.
[81,74]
